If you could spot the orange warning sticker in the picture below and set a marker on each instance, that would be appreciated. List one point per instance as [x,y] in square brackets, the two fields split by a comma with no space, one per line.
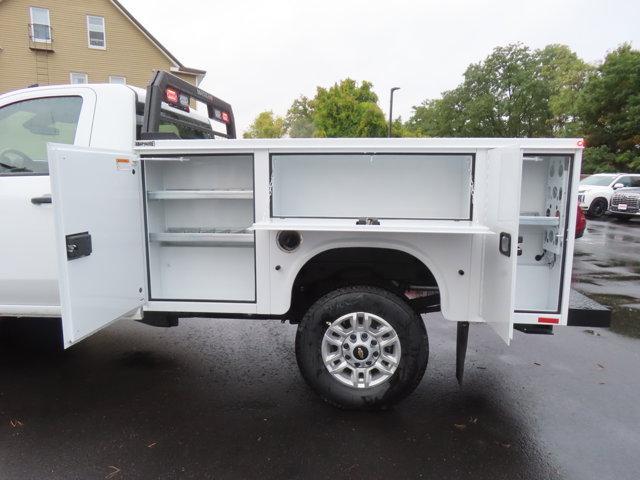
[123,164]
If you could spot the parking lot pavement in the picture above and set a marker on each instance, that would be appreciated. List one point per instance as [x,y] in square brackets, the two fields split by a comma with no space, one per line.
[223,399]
[606,267]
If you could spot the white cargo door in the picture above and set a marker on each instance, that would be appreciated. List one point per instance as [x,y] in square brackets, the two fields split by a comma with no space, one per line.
[98,222]
[500,255]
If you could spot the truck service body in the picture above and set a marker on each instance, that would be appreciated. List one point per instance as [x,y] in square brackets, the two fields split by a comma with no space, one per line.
[351,238]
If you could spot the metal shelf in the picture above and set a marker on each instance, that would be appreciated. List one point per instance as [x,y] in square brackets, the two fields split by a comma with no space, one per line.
[219,239]
[199,194]
[539,220]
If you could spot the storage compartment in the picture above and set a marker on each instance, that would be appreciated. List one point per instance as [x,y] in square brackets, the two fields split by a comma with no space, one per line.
[543,219]
[198,210]
[377,185]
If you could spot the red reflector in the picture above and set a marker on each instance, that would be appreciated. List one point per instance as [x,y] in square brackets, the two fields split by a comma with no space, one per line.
[582,143]
[171,95]
[548,320]
[225,117]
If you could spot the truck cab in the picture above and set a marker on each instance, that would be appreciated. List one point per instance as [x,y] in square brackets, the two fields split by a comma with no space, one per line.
[94,116]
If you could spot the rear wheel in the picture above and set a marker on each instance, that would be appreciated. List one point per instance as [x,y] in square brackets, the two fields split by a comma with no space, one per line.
[597,208]
[362,348]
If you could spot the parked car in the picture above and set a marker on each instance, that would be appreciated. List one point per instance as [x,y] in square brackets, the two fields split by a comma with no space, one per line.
[594,192]
[625,203]
[581,223]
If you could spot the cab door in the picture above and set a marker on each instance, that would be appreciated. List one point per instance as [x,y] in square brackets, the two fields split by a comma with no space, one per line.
[97,207]
[28,120]
[500,251]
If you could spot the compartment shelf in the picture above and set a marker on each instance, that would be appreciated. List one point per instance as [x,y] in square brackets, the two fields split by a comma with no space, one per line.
[199,194]
[215,238]
[539,220]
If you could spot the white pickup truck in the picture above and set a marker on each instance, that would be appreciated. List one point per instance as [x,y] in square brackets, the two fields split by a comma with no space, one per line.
[109,212]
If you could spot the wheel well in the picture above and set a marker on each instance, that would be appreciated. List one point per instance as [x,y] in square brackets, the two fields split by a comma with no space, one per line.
[390,269]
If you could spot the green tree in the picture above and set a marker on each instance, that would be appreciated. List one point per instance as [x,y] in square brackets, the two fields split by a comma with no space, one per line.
[266,125]
[609,104]
[514,92]
[566,75]
[299,119]
[502,96]
[347,110]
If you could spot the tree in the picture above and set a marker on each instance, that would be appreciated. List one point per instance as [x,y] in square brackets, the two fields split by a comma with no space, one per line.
[514,92]
[266,125]
[502,96]
[347,110]
[299,119]
[609,104]
[566,75]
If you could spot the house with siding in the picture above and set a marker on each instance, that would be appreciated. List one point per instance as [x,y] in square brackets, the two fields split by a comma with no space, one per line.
[47,42]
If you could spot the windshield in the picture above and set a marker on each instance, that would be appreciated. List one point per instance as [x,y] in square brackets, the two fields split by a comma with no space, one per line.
[598,180]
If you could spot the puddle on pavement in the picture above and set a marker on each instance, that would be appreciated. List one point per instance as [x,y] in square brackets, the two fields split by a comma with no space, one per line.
[624,320]
[610,276]
[613,263]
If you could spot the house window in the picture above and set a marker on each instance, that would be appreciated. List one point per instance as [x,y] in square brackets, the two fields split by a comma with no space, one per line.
[40,24]
[76,77]
[117,79]
[95,32]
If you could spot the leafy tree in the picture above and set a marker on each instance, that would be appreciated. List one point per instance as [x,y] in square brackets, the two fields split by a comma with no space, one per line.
[610,103]
[566,75]
[347,110]
[502,96]
[266,125]
[602,159]
[514,92]
[299,119]
[400,129]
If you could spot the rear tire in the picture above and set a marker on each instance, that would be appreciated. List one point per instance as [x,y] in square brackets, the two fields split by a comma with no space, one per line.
[597,208]
[386,334]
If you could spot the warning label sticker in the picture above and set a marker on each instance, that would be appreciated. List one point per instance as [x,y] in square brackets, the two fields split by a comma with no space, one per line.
[124,164]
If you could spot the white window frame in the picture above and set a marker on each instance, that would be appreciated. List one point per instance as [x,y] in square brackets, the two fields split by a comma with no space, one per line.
[33,30]
[84,75]
[121,77]
[104,33]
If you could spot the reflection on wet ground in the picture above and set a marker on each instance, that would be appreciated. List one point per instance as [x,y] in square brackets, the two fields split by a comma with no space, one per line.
[606,267]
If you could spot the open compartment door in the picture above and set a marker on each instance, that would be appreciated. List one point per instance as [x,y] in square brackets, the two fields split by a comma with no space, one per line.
[98,222]
[500,255]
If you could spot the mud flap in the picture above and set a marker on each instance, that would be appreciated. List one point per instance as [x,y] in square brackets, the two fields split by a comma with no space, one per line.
[461,349]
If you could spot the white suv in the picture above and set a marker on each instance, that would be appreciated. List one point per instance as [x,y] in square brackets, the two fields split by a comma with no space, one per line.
[595,191]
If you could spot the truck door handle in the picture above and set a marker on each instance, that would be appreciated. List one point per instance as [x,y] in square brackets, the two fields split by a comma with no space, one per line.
[504,246]
[46,198]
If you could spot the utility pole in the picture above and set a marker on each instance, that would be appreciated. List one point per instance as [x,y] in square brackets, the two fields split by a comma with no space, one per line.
[391,109]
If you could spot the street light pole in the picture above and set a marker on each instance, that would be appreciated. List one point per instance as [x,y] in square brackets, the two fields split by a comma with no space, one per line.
[391,109]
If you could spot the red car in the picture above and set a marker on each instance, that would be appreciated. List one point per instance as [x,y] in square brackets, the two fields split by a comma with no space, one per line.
[581,223]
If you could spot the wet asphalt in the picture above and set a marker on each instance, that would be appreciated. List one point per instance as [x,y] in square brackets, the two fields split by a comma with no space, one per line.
[223,399]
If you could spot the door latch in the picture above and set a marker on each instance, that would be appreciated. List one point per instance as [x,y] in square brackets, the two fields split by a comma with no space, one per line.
[78,245]
[504,246]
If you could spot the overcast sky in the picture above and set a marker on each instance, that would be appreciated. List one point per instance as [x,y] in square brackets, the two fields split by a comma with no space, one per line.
[261,54]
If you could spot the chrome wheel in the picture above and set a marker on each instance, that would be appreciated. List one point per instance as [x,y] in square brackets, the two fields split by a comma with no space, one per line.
[361,350]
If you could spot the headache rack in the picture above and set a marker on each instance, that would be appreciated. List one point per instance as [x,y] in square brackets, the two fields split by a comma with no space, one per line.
[165,87]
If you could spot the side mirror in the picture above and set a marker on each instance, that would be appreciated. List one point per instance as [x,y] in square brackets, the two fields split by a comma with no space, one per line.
[618,185]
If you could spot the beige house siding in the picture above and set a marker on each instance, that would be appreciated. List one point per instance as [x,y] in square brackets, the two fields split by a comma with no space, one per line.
[129,53]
